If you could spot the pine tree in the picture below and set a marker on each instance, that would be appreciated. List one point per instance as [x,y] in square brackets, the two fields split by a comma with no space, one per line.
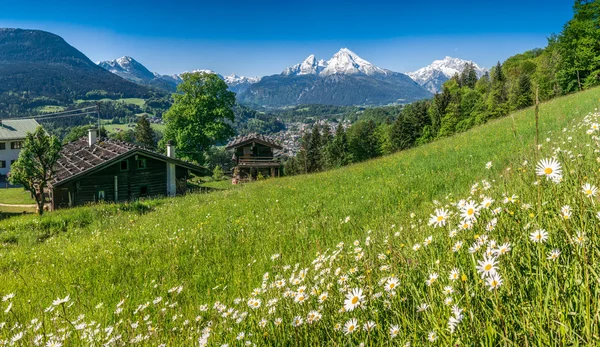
[338,149]
[144,134]
[524,92]
[326,139]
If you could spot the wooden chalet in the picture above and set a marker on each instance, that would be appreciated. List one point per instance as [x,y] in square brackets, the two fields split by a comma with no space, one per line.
[98,169]
[253,154]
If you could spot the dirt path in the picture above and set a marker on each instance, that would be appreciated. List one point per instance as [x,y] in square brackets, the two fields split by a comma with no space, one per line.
[11,205]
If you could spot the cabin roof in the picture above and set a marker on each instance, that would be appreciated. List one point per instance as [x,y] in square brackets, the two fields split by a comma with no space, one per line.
[252,137]
[16,129]
[78,159]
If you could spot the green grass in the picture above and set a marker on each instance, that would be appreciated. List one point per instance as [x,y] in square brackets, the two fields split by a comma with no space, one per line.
[217,246]
[51,109]
[16,196]
[133,101]
[112,128]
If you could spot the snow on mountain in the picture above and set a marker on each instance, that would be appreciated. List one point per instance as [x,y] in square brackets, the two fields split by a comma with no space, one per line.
[128,68]
[132,70]
[344,62]
[310,66]
[433,76]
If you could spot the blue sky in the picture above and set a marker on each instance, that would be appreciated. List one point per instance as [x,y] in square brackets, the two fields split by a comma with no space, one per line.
[263,37]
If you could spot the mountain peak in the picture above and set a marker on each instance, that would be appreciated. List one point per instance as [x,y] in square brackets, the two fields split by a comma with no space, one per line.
[433,76]
[343,62]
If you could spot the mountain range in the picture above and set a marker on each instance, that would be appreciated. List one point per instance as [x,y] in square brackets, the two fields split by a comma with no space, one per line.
[130,69]
[345,79]
[433,76]
[42,64]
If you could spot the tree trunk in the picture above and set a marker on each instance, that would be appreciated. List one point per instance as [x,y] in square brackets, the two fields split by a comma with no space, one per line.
[39,199]
[579,81]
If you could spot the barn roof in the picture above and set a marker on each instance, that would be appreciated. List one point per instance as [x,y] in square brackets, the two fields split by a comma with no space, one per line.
[77,158]
[253,137]
[16,129]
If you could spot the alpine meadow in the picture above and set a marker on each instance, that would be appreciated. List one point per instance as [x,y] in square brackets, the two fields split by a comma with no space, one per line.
[332,202]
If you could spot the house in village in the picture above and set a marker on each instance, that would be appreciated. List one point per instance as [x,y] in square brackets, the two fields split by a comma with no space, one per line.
[97,169]
[12,136]
[254,154]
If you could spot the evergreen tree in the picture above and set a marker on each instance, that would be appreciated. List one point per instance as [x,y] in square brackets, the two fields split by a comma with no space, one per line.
[498,97]
[338,148]
[468,77]
[326,139]
[524,92]
[144,134]
[362,142]
[313,150]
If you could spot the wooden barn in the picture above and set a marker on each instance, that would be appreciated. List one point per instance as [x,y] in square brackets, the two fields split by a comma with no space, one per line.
[253,154]
[97,169]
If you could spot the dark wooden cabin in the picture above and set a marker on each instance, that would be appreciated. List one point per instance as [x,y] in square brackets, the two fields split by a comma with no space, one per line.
[253,154]
[91,170]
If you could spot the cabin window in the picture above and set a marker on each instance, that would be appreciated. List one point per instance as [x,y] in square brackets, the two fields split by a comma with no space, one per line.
[2,164]
[124,165]
[2,145]
[101,195]
[16,145]
[12,161]
[143,191]
[141,163]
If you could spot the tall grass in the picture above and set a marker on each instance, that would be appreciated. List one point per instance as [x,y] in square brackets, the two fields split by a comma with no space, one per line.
[115,262]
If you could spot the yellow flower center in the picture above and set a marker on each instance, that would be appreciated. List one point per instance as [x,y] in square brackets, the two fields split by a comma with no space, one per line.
[392,285]
[548,171]
[355,300]
[470,211]
[351,328]
[588,192]
[440,218]
[488,267]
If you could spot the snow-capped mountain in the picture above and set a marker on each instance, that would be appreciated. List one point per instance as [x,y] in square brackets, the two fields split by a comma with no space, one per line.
[132,70]
[345,79]
[128,68]
[310,66]
[344,62]
[433,76]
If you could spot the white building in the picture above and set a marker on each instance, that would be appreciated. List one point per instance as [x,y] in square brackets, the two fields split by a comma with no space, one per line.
[12,135]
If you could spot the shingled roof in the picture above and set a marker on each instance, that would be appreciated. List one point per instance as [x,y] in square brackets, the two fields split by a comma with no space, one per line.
[252,137]
[78,158]
[16,129]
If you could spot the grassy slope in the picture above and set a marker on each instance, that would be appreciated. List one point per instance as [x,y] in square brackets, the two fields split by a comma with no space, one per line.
[224,239]
[16,196]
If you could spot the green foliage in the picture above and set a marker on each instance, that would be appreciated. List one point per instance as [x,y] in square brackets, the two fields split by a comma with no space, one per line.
[78,132]
[144,134]
[201,115]
[218,173]
[35,166]
[362,141]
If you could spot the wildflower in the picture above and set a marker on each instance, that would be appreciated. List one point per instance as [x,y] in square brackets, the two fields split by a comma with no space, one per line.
[439,218]
[488,165]
[254,303]
[416,247]
[494,281]
[470,211]
[297,321]
[589,190]
[394,331]
[550,168]
[539,235]
[323,297]
[368,326]
[350,326]
[431,336]
[8,297]
[565,211]
[454,274]
[300,298]
[487,202]
[553,254]
[579,239]
[457,246]
[313,316]
[455,319]
[487,266]
[448,290]
[448,301]
[423,307]
[432,278]
[60,301]
[278,321]
[427,241]
[353,299]
[391,284]
[502,249]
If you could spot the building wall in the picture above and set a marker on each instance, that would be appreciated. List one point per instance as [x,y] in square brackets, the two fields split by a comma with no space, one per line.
[132,184]
[8,155]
